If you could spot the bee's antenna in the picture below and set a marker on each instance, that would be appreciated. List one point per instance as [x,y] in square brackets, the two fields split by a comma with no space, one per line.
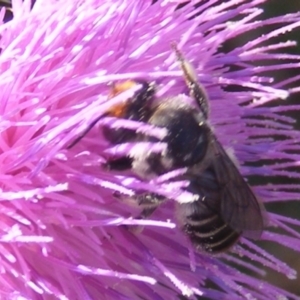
[190,76]
[82,135]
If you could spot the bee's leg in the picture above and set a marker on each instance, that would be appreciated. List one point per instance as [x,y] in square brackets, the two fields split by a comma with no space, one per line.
[119,164]
[195,88]
[149,202]
[146,212]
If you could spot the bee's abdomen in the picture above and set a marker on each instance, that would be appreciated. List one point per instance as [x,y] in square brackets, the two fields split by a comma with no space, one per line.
[202,219]
[208,232]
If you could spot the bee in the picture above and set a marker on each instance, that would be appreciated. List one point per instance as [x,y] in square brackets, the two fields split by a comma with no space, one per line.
[225,208]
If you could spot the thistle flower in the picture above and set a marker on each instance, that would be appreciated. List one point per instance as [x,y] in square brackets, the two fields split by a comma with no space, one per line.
[61,228]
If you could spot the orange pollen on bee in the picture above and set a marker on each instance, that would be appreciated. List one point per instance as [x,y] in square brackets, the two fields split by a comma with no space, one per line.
[119,110]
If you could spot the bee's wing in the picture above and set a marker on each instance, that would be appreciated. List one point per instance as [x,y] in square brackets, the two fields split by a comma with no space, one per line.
[239,206]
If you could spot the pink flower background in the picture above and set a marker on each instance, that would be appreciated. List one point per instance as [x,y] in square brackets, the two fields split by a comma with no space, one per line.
[62,233]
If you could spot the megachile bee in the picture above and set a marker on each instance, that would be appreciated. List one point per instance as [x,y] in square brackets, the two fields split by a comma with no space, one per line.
[226,207]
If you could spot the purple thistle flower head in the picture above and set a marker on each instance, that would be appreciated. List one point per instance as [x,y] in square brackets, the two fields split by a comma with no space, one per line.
[64,235]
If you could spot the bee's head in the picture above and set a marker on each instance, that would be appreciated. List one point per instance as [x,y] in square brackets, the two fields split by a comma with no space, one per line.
[137,108]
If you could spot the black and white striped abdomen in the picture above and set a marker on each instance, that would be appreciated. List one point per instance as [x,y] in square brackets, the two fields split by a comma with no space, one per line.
[202,221]
[206,228]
